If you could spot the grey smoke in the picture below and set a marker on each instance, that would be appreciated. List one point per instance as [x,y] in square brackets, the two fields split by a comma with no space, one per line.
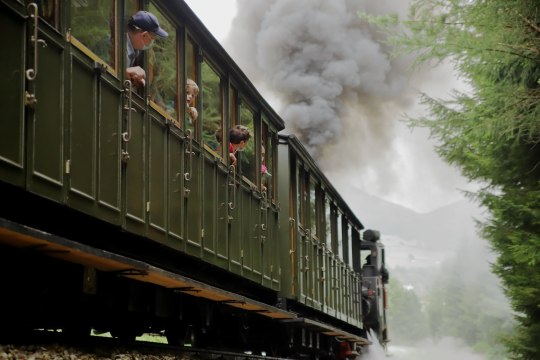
[328,68]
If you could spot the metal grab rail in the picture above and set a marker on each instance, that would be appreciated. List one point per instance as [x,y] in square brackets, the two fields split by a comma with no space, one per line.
[126,136]
[232,170]
[31,73]
[189,151]
[264,208]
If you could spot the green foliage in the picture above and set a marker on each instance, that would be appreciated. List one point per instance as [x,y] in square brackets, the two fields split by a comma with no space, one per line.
[465,304]
[492,133]
[407,322]
[93,25]
[211,103]
[162,72]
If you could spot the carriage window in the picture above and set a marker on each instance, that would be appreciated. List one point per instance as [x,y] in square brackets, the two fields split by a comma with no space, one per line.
[247,157]
[266,160]
[339,233]
[191,73]
[162,65]
[212,119]
[49,10]
[270,177]
[313,208]
[234,120]
[327,222]
[350,241]
[365,257]
[93,25]
[346,240]
[299,195]
[233,105]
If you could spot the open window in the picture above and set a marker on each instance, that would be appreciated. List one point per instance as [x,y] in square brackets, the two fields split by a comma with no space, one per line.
[192,74]
[328,221]
[247,158]
[212,109]
[94,30]
[267,160]
[162,70]
[313,208]
[303,196]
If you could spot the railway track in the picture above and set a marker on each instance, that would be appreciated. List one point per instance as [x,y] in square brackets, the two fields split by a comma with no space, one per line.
[44,345]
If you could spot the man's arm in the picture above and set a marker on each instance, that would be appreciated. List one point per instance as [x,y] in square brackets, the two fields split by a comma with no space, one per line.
[137,75]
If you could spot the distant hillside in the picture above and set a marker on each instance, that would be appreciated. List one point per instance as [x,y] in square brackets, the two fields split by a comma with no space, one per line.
[441,229]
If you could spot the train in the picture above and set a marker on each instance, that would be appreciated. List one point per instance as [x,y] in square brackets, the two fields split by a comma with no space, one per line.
[121,213]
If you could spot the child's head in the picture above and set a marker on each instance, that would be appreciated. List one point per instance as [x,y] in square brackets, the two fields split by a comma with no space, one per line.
[192,90]
[239,135]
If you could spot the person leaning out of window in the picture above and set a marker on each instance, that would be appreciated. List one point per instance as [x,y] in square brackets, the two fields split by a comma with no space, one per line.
[238,137]
[143,28]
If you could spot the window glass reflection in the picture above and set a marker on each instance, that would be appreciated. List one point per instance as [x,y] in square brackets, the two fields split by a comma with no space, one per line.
[191,73]
[162,65]
[247,157]
[212,108]
[313,207]
[93,24]
[328,222]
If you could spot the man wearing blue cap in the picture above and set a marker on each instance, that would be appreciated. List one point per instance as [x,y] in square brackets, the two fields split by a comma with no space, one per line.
[143,28]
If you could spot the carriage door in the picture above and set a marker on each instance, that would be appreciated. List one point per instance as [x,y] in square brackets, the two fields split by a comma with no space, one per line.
[34,57]
[215,166]
[133,146]
[192,160]
[16,61]
[245,214]
[94,90]
[269,210]
[306,257]
[249,196]
[147,111]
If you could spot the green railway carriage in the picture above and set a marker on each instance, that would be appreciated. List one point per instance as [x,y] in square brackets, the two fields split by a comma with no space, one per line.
[125,214]
[322,235]
[76,131]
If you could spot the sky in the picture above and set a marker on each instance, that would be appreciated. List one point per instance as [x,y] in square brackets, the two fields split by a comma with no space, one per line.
[314,60]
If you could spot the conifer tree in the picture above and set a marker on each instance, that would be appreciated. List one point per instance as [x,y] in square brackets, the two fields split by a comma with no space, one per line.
[492,132]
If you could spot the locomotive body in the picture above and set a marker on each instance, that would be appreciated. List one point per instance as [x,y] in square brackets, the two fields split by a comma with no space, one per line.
[121,213]
[375,277]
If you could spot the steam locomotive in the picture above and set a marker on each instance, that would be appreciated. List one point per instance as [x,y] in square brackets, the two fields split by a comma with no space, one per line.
[120,213]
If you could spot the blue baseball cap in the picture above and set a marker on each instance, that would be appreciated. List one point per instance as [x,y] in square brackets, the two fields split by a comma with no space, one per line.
[147,21]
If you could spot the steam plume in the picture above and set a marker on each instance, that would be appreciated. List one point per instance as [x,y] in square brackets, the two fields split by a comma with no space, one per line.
[327,67]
